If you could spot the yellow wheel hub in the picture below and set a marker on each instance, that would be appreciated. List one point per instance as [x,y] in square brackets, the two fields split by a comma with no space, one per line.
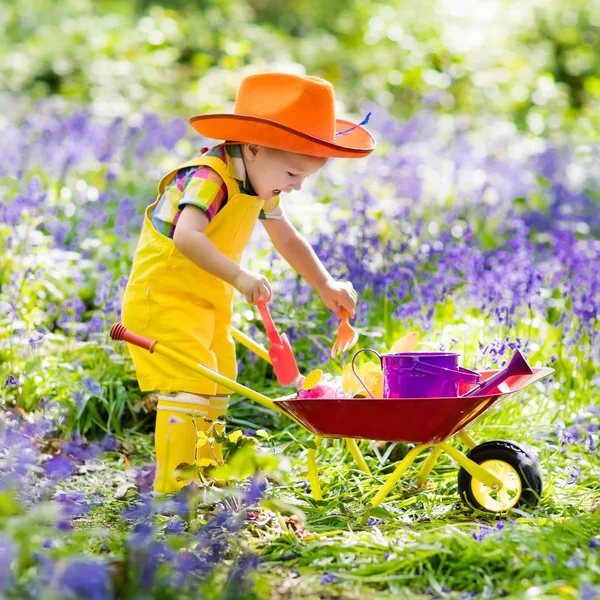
[498,500]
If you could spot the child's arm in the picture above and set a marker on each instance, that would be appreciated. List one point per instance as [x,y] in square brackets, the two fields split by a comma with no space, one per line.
[191,241]
[302,258]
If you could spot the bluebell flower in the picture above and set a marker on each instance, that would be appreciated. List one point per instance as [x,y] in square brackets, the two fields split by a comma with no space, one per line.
[59,467]
[484,530]
[8,553]
[88,580]
[11,381]
[588,592]
[255,490]
[574,475]
[175,526]
[328,578]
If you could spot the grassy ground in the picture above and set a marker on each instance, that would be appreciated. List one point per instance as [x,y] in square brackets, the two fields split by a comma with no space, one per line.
[419,543]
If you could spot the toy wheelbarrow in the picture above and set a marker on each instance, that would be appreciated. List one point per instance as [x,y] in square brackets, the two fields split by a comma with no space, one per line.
[494,476]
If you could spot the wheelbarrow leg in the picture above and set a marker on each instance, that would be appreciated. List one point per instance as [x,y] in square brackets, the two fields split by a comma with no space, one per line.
[464,437]
[429,463]
[486,477]
[357,455]
[313,475]
[393,479]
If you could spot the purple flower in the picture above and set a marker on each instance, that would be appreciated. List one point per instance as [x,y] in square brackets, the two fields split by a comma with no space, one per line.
[255,491]
[574,475]
[141,534]
[59,467]
[72,505]
[11,381]
[144,478]
[328,578]
[35,339]
[575,562]
[587,592]
[92,386]
[8,553]
[371,521]
[175,526]
[109,443]
[64,525]
[594,543]
[87,579]
[81,451]
[485,530]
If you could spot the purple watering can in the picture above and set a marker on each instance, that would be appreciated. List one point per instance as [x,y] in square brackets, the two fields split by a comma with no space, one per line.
[420,374]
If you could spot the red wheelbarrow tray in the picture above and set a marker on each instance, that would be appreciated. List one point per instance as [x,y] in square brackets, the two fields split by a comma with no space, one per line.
[412,420]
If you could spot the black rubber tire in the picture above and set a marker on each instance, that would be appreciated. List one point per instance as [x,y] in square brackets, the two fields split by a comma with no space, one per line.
[523,461]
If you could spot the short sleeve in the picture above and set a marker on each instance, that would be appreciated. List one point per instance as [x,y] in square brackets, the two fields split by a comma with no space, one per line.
[272,209]
[205,189]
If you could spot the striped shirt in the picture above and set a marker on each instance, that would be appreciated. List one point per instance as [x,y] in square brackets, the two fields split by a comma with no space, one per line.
[204,188]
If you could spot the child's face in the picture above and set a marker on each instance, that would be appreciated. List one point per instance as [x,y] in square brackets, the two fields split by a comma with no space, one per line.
[273,171]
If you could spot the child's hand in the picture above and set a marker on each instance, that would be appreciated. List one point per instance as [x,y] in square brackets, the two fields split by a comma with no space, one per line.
[337,295]
[253,286]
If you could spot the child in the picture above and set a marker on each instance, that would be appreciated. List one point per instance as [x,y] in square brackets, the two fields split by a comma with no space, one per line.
[186,264]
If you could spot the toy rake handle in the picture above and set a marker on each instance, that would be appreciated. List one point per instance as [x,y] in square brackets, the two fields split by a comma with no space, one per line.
[119,332]
[272,332]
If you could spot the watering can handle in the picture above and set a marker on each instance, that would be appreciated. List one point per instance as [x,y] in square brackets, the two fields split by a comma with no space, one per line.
[459,374]
[354,370]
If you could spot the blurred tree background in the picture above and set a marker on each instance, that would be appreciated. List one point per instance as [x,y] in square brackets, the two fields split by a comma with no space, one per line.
[534,62]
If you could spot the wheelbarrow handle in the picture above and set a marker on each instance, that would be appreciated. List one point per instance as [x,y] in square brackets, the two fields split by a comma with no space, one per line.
[248,342]
[119,332]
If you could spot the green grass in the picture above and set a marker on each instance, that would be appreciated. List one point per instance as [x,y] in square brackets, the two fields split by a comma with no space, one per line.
[426,546]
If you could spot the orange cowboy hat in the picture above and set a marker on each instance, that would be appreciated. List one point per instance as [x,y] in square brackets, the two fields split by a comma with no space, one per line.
[288,112]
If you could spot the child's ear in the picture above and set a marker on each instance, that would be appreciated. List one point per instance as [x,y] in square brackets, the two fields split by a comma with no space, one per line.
[250,151]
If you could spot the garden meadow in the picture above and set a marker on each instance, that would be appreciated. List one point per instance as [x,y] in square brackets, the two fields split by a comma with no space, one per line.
[479,233]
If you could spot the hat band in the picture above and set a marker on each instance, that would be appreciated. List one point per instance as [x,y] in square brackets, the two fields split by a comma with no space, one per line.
[363,122]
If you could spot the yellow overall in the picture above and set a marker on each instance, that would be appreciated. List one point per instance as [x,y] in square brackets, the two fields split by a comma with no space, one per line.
[170,299]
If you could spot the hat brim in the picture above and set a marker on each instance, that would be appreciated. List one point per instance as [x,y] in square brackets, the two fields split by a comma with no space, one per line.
[356,143]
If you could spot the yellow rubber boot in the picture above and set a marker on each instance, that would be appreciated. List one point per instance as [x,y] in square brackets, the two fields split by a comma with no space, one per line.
[217,407]
[177,423]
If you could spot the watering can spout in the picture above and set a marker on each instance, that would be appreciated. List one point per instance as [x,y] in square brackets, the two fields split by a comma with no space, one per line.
[517,365]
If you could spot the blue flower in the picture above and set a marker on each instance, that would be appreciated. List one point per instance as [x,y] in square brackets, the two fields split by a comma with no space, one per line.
[574,475]
[255,491]
[8,553]
[59,467]
[11,381]
[175,525]
[485,530]
[87,580]
[587,592]
[328,578]
[92,386]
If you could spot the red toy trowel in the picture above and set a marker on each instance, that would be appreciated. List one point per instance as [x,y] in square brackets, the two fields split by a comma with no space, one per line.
[280,351]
